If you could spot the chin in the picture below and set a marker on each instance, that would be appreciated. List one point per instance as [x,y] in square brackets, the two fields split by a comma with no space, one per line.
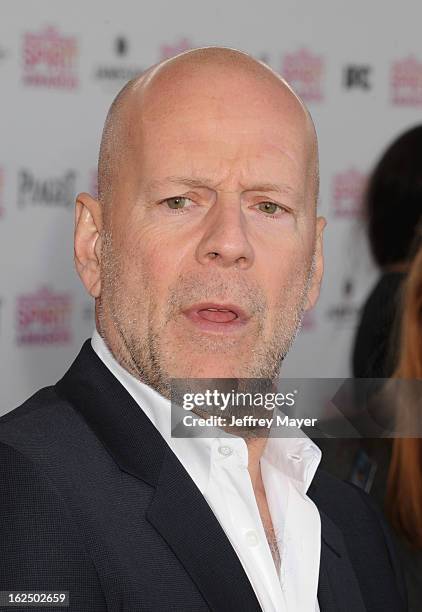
[212,369]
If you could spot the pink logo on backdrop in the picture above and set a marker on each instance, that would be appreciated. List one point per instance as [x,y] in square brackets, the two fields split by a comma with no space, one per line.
[304,71]
[50,59]
[406,82]
[2,210]
[43,317]
[167,51]
[347,193]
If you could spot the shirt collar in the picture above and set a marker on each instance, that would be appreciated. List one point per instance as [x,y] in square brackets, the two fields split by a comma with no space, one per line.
[297,458]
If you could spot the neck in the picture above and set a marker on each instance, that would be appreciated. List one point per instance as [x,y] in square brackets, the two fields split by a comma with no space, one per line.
[256,447]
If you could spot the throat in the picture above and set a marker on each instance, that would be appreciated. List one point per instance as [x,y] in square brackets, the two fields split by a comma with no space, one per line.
[273,544]
[270,532]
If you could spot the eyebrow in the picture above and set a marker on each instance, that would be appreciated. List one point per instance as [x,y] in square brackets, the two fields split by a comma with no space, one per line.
[209,184]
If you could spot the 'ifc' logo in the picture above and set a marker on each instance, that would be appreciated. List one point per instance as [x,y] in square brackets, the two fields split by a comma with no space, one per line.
[357,77]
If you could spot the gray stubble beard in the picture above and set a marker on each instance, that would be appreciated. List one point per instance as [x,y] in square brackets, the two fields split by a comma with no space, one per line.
[145,357]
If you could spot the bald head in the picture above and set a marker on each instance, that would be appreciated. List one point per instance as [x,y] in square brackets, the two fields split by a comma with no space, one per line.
[198,80]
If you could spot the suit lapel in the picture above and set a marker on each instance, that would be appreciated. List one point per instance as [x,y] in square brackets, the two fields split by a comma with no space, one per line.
[178,510]
[180,513]
[338,588]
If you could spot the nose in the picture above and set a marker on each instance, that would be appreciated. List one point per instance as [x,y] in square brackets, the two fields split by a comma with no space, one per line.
[224,238]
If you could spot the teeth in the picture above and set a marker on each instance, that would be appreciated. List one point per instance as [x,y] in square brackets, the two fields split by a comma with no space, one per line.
[218,309]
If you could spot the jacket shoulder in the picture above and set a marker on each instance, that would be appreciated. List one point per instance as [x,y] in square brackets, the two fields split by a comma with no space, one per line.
[39,543]
[365,531]
[42,405]
[43,422]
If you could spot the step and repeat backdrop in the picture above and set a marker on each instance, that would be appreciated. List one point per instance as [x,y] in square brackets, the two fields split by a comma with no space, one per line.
[358,66]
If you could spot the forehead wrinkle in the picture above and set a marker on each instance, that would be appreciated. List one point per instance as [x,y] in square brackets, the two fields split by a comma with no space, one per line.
[209,184]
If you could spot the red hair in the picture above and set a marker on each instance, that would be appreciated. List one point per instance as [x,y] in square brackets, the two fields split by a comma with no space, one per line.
[404,485]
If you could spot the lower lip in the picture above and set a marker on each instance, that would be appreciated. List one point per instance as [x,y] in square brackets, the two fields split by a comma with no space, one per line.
[212,326]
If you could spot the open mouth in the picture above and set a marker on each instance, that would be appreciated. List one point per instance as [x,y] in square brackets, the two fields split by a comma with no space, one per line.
[216,317]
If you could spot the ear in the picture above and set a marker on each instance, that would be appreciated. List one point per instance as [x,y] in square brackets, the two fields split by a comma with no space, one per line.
[87,243]
[315,285]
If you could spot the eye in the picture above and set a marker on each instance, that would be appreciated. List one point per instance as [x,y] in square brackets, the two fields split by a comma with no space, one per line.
[269,207]
[176,203]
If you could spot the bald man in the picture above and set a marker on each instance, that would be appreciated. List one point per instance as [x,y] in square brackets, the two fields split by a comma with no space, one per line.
[202,252]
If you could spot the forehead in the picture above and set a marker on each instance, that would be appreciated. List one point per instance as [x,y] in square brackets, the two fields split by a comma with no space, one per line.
[211,123]
[212,142]
[215,142]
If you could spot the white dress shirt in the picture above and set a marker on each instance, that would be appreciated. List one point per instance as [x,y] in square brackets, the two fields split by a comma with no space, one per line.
[219,468]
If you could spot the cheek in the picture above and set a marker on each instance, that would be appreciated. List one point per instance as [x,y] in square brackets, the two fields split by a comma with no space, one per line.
[152,259]
[284,275]
[282,260]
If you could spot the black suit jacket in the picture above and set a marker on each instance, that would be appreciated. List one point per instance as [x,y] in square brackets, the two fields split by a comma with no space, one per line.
[94,502]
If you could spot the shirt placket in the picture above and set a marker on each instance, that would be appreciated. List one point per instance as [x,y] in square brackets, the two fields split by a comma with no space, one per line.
[239,511]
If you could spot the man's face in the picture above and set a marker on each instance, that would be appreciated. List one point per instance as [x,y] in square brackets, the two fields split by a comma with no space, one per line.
[209,240]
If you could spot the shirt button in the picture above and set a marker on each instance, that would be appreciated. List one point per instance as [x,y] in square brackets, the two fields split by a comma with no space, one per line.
[294,457]
[226,451]
[252,538]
